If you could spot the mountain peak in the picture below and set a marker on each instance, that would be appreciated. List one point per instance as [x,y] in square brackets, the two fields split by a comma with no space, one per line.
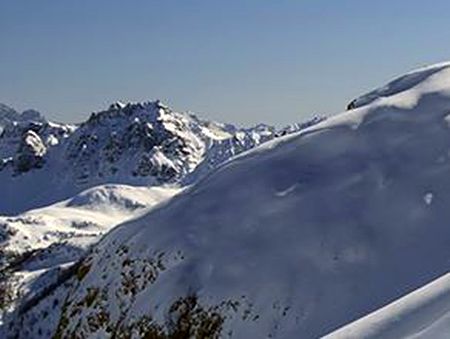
[116,106]
[143,143]
[141,110]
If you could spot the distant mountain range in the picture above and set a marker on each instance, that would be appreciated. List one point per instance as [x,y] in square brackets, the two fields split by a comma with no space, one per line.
[134,143]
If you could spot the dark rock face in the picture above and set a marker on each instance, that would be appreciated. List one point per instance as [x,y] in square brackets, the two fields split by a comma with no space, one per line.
[135,140]
[351,105]
[31,152]
[23,144]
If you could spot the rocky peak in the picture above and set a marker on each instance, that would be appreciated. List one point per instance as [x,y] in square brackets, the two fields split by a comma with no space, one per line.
[128,143]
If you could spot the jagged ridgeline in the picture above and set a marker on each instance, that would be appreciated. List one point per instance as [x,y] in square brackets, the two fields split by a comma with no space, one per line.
[135,143]
[72,183]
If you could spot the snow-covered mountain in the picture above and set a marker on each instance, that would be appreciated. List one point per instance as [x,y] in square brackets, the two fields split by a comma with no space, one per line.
[131,144]
[296,238]
[73,183]
[36,245]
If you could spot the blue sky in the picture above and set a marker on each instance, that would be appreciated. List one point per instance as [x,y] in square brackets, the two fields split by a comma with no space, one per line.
[244,61]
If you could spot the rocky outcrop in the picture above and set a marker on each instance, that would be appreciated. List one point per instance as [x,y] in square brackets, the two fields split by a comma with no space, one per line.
[30,154]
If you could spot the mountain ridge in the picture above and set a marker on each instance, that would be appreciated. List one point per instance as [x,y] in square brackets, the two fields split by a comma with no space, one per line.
[60,178]
[136,143]
[301,235]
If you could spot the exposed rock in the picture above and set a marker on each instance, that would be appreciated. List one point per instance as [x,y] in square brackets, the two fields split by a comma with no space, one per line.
[30,154]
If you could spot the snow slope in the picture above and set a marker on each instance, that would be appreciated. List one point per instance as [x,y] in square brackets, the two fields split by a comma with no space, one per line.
[424,313]
[89,213]
[146,145]
[296,238]
[401,84]
[36,245]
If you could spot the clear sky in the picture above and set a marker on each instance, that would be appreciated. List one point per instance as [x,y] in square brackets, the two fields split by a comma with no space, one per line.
[246,61]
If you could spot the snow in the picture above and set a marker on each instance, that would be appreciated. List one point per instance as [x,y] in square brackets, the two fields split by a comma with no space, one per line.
[428,198]
[303,235]
[89,214]
[424,313]
[62,233]
[403,85]
[338,230]
[285,192]
[61,196]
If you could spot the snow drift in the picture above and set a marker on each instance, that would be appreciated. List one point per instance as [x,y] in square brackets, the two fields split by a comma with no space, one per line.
[293,239]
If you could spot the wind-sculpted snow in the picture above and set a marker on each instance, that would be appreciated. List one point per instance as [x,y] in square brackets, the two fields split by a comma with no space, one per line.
[404,83]
[424,313]
[293,239]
